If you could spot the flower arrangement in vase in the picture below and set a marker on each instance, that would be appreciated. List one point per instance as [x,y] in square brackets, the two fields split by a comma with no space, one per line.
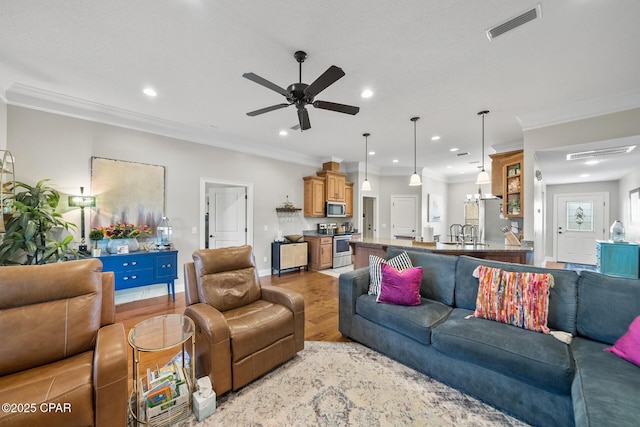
[124,230]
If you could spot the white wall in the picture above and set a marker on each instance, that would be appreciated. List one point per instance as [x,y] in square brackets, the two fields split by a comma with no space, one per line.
[60,148]
[627,183]
[3,123]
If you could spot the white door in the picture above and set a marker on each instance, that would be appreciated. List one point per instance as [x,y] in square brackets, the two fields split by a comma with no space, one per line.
[404,216]
[579,221]
[227,217]
[368,217]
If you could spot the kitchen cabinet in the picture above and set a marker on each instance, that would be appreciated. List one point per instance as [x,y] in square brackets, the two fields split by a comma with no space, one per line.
[334,185]
[314,196]
[497,162]
[286,256]
[348,198]
[143,268]
[512,186]
[320,252]
[618,259]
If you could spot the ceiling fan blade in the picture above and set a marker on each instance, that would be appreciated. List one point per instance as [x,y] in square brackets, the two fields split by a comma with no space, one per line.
[266,83]
[327,78]
[340,108]
[267,109]
[303,118]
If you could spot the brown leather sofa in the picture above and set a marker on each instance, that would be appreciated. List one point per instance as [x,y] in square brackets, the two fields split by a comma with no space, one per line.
[63,361]
[243,329]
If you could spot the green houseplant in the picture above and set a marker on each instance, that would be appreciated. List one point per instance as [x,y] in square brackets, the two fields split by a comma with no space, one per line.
[28,238]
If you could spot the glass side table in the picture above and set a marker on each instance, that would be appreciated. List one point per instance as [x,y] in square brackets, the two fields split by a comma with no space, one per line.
[156,334]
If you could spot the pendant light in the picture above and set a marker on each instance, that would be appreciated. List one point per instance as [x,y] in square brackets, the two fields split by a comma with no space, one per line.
[415,178]
[483,176]
[365,184]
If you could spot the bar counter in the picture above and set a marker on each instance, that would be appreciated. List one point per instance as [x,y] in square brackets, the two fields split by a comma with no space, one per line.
[491,250]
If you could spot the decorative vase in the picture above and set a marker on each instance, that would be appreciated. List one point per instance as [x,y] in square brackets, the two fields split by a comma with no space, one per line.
[132,244]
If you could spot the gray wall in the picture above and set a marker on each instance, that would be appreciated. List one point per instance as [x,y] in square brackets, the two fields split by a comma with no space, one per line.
[60,148]
[3,123]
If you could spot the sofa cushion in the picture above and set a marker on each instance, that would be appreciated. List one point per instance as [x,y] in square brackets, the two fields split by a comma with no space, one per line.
[400,262]
[65,382]
[400,287]
[415,322]
[438,281]
[562,297]
[539,359]
[515,298]
[607,306]
[628,345]
[605,390]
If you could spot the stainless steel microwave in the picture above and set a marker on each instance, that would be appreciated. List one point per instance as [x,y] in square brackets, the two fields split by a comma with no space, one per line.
[335,209]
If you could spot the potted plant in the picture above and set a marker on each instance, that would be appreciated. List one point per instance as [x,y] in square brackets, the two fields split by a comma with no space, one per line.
[29,237]
[96,234]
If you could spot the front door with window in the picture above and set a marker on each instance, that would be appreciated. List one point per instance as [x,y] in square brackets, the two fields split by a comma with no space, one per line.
[580,220]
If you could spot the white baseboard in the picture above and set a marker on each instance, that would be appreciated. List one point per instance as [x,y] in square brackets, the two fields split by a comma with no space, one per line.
[145,292]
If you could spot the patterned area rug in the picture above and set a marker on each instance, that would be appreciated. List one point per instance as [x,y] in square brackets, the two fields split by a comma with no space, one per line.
[347,384]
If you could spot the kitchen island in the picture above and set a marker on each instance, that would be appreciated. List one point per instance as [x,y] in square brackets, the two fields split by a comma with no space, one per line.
[492,250]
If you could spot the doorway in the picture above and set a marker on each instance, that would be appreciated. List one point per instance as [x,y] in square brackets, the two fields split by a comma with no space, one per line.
[578,222]
[226,213]
[369,227]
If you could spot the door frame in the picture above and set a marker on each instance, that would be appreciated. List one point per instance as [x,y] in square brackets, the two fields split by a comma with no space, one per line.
[605,214]
[248,186]
[361,223]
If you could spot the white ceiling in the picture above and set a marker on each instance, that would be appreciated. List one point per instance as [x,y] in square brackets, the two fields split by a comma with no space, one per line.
[424,58]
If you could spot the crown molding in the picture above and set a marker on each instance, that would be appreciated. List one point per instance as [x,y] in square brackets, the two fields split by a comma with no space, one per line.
[51,102]
[580,110]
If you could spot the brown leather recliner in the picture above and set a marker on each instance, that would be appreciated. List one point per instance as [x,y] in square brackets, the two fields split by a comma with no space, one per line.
[63,361]
[243,329]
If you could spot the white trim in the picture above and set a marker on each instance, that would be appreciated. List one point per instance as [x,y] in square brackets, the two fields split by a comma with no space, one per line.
[39,99]
[580,110]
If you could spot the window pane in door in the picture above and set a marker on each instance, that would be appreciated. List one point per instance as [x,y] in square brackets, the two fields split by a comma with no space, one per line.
[580,216]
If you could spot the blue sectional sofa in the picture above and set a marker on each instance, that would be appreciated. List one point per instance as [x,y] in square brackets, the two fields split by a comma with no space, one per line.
[532,376]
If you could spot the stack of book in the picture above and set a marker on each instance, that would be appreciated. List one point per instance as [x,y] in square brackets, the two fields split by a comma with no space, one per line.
[165,394]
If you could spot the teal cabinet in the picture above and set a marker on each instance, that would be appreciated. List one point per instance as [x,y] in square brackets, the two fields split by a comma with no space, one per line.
[143,268]
[618,259]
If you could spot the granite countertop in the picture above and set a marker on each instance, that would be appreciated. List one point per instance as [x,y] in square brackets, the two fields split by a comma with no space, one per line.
[313,233]
[442,247]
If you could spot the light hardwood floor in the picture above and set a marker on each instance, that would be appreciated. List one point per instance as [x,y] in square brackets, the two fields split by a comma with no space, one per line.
[320,293]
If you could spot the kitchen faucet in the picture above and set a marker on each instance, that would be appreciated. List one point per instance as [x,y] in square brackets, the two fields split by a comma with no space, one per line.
[472,235]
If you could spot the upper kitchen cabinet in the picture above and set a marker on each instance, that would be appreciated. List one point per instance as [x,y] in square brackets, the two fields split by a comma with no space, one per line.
[334,185]
[512,186]
[348,197]
[329,185]
[314,196]
[498,161]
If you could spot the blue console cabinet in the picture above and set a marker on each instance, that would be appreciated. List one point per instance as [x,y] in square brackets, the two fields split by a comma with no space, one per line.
[143,268]
[618,259]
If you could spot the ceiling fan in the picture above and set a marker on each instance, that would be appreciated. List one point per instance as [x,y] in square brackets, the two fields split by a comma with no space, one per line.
[301,94]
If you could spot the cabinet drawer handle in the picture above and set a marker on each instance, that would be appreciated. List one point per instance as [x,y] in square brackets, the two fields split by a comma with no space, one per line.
[134,262]
[134,277]
[125,264]
[125,278]
[166,265]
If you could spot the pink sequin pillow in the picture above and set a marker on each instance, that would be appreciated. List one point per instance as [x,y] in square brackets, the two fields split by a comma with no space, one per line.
[628,346]
[400,287]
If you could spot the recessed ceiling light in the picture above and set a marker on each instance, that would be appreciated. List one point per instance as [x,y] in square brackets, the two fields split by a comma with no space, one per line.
[149,91]
[584,175]
[453,149]
[592,162]
[395,160]
[283,133]
[449,167]
[435,138]
[367,93]
[372,153]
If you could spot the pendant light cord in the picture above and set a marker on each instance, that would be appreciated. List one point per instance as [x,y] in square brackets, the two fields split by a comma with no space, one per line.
[483,113]
[415,145]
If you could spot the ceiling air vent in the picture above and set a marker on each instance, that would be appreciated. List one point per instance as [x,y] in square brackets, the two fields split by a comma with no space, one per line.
[600,152]
[515,22]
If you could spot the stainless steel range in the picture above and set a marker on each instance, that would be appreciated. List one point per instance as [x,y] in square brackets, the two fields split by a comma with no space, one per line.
[341,250]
